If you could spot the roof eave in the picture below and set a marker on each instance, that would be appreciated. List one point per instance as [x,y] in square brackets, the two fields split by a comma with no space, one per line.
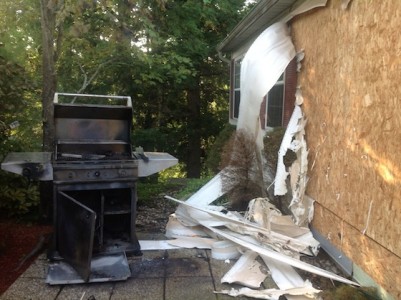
[264,14]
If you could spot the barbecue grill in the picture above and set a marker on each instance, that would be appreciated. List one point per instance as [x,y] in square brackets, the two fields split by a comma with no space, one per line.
[94,172]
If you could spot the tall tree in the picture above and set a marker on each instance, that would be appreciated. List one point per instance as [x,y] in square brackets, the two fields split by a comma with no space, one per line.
[19,102]
[195,28]
[49,58]
[161,53]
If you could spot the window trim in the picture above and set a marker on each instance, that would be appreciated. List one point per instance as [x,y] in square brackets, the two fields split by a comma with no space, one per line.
[233,89]
[279,82]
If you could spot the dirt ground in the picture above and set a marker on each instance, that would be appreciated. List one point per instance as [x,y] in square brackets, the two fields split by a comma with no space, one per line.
[17,240]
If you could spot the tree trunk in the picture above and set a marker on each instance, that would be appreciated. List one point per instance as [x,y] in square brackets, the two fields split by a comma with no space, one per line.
[49,73]
[48,90]
[194,134]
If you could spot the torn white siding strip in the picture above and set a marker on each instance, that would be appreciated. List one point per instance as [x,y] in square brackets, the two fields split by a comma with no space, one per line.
[175,229]
[285,277]
[301,206]
[204,215]
[283,258]
[309,239]
[280,187]
[192,242]
[261,67]
[280,242]
[262,212]
[190,215]
[286,226]
[155,245]
[246,271]
[284,244]
[210,192]
[217,214]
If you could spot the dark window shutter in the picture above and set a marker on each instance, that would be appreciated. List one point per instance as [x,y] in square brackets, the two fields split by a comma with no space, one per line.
[290,86]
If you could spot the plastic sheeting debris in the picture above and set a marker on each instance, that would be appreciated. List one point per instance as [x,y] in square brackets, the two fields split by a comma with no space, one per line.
[225,250]
[283,258]
[246,271]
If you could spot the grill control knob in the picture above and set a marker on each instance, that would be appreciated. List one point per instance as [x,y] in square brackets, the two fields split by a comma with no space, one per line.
[97,174]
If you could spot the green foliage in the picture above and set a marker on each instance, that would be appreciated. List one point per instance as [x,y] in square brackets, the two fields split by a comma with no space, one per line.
[17,104]
[152,139]
[148,191]
[192,185]
[214,155]
[180,188]
[177,171]
[157,52]
[18,196]
[20,32]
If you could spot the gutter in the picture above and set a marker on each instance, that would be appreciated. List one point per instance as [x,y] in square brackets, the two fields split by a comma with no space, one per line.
[257,11]
[222,57]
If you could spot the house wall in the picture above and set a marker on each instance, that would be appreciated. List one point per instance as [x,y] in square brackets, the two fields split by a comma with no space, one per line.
[350,83]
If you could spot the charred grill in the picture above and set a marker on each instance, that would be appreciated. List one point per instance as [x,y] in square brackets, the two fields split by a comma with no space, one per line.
[94,172]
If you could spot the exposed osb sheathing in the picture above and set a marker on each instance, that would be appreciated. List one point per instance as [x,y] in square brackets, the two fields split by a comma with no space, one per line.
[350,81]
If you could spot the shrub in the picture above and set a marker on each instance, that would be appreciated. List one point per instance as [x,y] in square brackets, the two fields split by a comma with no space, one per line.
[214,154]
[18,196]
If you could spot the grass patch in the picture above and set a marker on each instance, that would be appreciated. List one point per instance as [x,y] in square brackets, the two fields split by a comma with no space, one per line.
[180,188]
[191,186]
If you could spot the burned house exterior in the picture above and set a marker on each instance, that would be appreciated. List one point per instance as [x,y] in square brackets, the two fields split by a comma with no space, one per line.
[349,81]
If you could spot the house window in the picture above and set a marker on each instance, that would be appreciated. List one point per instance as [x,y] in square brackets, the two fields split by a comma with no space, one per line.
[272,115]
[275,103]
[236,95]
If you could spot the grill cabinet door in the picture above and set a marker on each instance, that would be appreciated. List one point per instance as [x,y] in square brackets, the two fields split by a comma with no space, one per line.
[75,233]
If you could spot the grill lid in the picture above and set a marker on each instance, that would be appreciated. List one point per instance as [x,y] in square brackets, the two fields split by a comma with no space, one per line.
[92,126]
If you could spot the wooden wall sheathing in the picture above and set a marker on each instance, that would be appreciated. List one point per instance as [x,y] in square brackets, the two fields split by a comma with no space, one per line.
[350,80]
[378,262]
